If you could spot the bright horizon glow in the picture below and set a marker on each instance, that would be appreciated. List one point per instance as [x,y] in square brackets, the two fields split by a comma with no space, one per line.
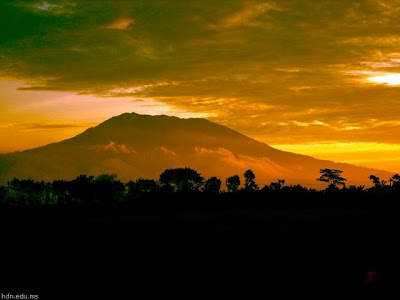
[374,155]
[32,119]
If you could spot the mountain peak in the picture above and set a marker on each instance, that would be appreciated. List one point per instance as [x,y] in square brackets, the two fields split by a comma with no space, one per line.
[133,146]
[128,122]
[127,118]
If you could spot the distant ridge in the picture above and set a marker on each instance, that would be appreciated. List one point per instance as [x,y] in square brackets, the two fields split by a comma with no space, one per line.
[142,146]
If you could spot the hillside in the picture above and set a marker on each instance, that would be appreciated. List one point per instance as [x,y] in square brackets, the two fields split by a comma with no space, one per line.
[140,146]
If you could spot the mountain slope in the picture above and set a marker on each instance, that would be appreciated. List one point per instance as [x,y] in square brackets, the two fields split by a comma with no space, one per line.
[134,146]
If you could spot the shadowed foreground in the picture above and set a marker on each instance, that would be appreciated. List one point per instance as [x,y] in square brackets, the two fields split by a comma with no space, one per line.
[244,243]
[182,232]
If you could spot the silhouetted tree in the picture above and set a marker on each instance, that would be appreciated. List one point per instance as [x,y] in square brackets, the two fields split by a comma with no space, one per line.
[26,191]
[376,181]
[141,186]
[249,181]
[212,185]
[48,197]
[233,183]
[182,179]
[333,177]
[108,189]
[395,181]
[277,185]
[358,188]
[82,188]
[62,192]
[3,195]
[355,191]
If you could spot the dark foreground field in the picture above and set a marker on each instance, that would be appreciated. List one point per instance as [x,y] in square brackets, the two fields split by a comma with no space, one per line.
[219,249]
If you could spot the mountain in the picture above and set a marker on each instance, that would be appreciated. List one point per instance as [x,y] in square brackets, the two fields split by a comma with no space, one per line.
[140,146]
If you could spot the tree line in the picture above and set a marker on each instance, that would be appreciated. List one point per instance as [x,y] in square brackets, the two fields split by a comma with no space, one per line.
[107,189]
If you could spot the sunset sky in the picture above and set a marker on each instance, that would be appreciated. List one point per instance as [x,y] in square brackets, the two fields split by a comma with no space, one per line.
[308,76]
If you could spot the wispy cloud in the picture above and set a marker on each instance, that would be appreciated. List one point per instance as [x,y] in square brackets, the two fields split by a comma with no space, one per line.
[283,65]
[122,24]
[114,147]
[246,15]
[47,6]
[43,126]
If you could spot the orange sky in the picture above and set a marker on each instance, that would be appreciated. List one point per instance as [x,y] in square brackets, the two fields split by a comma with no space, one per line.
[319,78]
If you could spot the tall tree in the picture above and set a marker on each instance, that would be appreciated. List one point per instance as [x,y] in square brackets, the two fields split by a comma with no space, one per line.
[249,181]
[376,181]
[182,179]
[83,189]
[108,188]
[213,185]
[395,180]
[233,183]
[333,177]
[141,186]
[277,185]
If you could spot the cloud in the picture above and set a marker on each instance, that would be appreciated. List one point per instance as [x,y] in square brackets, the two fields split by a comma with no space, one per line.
[43,126]
[261,165]
[246,16]
[280,64]
[117,148]
[168,151]
[122,24]
[47,6]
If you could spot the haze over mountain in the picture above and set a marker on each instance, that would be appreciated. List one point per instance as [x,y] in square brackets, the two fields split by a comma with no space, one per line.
[141,146]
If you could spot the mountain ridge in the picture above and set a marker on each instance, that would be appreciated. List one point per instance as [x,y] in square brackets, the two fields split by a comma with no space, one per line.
[133,146]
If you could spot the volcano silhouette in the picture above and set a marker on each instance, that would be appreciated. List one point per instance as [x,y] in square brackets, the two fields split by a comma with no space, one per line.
[141,146]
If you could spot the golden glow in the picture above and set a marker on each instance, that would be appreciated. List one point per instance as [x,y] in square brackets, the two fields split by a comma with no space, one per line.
[277,71]
[389,79]
[54,116]
[373,155]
